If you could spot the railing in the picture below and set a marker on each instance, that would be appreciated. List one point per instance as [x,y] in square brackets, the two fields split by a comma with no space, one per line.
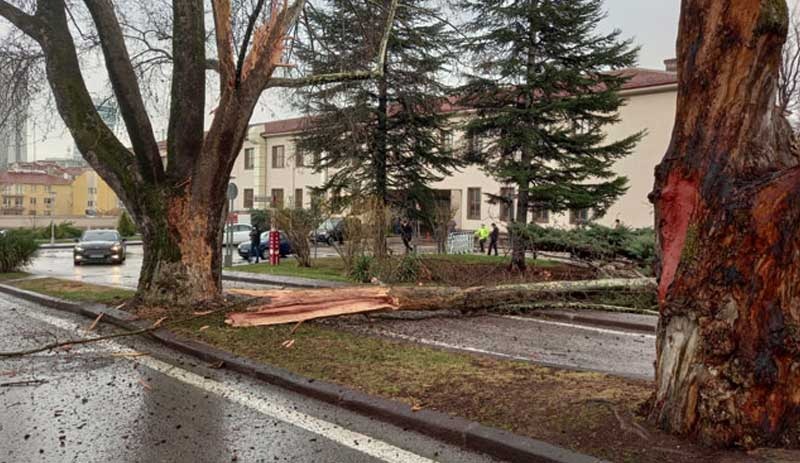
[460,242]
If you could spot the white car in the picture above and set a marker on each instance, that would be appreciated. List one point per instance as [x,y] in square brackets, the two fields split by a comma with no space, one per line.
[241,233]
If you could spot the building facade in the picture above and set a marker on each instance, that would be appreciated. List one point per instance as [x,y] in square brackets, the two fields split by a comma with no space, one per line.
[281,176]
[47,189]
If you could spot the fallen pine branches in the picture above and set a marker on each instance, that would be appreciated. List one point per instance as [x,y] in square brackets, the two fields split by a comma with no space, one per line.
[292,306]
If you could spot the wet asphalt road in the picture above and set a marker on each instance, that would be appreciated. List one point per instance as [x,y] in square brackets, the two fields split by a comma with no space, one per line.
[608,350]
[91,403]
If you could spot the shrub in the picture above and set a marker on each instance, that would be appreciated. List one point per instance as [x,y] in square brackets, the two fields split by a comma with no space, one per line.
[594,242]
[17,248]
[261,219]
[125,226]
[361,269]
[298,224]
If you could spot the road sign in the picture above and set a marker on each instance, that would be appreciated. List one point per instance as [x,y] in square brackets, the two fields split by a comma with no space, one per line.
[233,191]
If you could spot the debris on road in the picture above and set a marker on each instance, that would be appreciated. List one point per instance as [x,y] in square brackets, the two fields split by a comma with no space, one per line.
[95,322]
[29,382]
[294,306]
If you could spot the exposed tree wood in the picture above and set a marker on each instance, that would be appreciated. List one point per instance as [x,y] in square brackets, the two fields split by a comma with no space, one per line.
[291,306]
[727,217]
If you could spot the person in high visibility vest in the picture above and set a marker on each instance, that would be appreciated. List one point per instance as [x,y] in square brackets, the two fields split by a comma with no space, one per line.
[482,234]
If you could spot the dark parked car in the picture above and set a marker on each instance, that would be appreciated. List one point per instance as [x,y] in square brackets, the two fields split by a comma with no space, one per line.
[99,246]
[263,247]
[331,231]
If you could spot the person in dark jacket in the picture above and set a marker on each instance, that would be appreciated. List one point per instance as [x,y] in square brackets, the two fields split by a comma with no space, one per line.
[407,233]
[494,236]
[255,242]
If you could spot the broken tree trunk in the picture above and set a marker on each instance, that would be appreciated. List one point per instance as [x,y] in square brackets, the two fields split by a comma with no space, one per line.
[291,306]
[727,217]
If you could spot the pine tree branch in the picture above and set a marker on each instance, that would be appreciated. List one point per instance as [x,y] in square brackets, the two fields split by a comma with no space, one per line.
[334,77]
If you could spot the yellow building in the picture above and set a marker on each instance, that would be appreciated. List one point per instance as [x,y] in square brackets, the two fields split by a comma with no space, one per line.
[91,194]
[35,193]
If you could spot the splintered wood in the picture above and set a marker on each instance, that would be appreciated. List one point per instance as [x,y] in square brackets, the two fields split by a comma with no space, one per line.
[293,306]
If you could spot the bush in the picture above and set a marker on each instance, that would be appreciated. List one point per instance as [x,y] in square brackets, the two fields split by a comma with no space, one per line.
[261,218]
[361,269]
[594,242]
[65,230]
[125,226]
[17,248]
[298,224]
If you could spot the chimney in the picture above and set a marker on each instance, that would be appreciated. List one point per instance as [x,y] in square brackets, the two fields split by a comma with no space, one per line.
[671,64]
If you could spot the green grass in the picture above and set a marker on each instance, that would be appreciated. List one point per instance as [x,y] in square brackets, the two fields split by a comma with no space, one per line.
[332,268]
[12,275]
[536,400]
[326,268]
[485,259]
[76,291]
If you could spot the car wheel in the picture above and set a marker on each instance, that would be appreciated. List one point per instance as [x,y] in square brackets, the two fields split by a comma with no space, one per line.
[76,263]
[330,241]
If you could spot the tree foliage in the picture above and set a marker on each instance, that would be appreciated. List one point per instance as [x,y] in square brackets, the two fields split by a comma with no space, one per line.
[385,138]
[125,225]
[546,86]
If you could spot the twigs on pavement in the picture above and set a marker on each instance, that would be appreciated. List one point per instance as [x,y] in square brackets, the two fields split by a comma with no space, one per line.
[158,324]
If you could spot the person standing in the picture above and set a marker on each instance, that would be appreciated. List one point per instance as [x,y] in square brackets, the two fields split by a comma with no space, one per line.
[255,243]
[494,236]
[407,232]
[482,234]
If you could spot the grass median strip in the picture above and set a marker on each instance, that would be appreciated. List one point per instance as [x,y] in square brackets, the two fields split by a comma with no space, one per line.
[76,291]
[588,412]
[12,276]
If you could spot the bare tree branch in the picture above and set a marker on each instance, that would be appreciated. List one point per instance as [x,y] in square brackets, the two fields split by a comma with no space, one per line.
[29,24]
[126,88]
[187,108]
[789,71]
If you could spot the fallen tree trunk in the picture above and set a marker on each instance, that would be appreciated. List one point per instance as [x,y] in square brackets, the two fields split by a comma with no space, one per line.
[291,306]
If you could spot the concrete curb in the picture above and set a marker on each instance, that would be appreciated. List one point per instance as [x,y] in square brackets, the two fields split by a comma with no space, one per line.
[453,430]
[596,321]
[280,280]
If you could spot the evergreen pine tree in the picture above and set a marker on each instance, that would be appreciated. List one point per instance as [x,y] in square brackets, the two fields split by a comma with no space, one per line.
[387,137]
[545,86]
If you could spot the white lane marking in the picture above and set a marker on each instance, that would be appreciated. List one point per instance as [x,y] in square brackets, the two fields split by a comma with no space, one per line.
[368,445]
[580,327]
[431,342]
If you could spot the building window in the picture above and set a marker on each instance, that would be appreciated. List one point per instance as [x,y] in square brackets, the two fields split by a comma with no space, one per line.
[298,198]
[506,203]
[447,140]
[278,157]
[90,204]
[579,216]
[473,204]
[33,201]
[248,198]
[300,158]
[541,216]
[249,159]
[92,191]
[48,201]
[277,197]
[19,202]
[20,189]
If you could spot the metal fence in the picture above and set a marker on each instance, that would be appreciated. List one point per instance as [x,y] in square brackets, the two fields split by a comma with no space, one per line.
[460,243]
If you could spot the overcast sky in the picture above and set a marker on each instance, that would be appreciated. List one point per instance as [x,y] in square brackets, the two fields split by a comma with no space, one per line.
[652,24]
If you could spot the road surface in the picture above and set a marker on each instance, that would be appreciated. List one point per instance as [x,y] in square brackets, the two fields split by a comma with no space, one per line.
[548,342]
[99,402]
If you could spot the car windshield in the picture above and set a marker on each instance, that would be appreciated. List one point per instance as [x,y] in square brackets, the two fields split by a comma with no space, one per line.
[100,236]
[330,224]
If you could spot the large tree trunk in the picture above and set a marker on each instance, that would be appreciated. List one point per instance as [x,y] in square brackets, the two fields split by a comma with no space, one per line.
[727,216]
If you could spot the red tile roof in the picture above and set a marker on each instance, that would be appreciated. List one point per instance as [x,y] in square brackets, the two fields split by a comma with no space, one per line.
[639,78]
[32,178]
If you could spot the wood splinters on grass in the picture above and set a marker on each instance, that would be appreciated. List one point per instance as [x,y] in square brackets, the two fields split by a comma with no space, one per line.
[203,328]
[145,385]
[294,330]
[158,322]
[95,322]
[416,407]
[200,314]
[288,343]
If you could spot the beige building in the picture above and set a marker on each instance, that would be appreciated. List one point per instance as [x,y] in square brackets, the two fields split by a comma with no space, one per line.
[275,173]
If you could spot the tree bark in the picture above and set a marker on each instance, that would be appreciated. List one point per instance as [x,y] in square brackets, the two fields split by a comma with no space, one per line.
[727,218]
